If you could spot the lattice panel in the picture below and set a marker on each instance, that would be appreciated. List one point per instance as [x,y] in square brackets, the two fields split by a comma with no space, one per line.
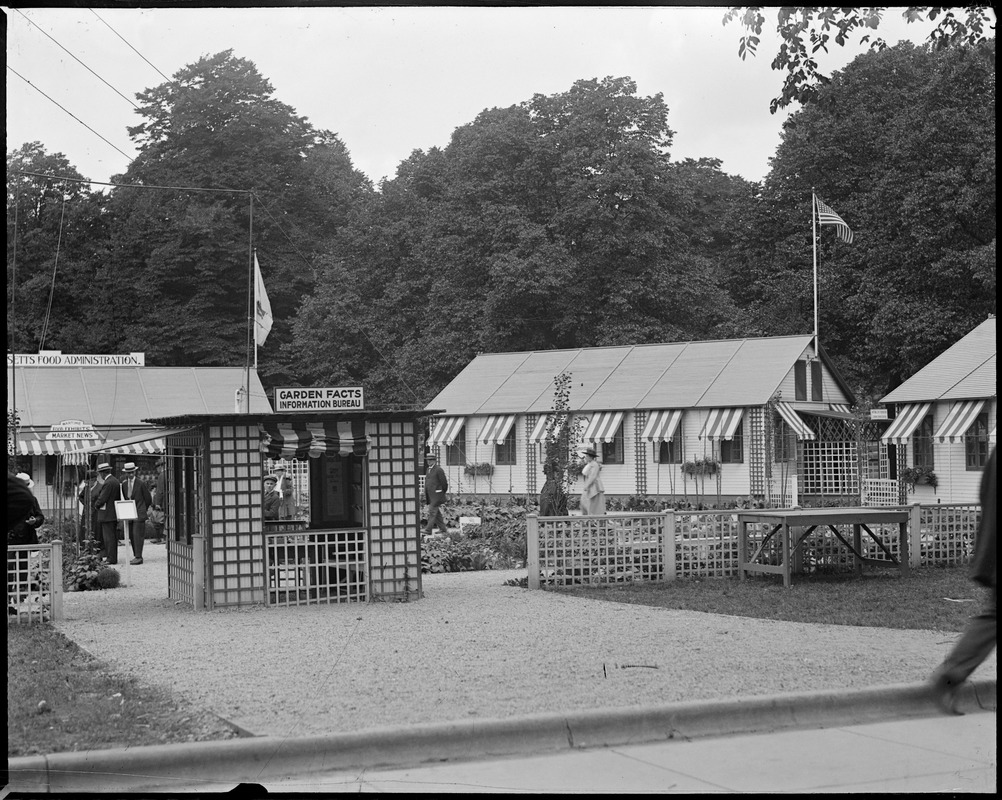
[948,533]
[235,559]
[394,512]
[758,451]
[706,545]
[317,568]
[604,550]
[829,468]
[29,583]
[181,572]
[881,492]
[640,451]
[531,462]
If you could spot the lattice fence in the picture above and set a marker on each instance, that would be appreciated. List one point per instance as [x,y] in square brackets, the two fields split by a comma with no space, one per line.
[948,533]
[881,492]
[32,594]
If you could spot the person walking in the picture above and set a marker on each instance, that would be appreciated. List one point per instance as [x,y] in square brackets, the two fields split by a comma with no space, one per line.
[135,488]
[435,487]
[593,490]
[980,634]
[158,514]
[104,505]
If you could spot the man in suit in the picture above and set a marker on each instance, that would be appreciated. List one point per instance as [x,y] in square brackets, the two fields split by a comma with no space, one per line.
[435,487]
[135,488]
[104,505]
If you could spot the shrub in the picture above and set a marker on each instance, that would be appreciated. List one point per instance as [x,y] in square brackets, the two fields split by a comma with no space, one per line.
[455,554]
[108,578]
[87,572]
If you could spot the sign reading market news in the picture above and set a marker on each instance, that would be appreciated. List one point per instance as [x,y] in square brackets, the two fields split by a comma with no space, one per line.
[55,358]
[73,430]
[335,398]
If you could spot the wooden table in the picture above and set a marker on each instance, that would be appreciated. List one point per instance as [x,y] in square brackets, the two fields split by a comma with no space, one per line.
[788,521]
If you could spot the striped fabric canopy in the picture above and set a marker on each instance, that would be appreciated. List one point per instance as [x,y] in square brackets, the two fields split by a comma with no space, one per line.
[603,426]
[496,429]
[722,423]
[446,431]
[792,418]
[661,425]
[960,418]
[538,434]
[905,423]
[311,439]
[840,407]
[46,447]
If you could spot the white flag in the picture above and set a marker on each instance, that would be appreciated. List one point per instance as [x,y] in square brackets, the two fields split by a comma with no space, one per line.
[262,306]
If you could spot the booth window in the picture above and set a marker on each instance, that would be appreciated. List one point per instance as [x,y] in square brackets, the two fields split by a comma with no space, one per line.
[800,380]
[976,443]
[669,452]
[337,491]
[612,452]
[455,453]
[784,442]
[922,443]
[732,451]
[185,492]
[504,453]
[817,383]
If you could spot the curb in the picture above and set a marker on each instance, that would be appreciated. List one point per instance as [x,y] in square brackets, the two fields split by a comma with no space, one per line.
[262,759]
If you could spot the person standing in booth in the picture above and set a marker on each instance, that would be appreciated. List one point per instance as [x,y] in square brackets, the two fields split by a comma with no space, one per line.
[135,488]
[435,487]
[104,505]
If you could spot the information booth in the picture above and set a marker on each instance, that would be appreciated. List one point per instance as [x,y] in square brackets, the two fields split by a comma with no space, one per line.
[356,536]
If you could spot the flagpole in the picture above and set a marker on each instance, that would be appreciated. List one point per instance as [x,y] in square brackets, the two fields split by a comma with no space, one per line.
[814,230]
[250,302]
[256,270]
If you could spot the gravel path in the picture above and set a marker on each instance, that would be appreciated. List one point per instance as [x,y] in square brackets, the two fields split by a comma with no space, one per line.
[471,648]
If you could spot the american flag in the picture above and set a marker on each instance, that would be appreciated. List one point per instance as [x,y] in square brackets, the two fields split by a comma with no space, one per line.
[827,216]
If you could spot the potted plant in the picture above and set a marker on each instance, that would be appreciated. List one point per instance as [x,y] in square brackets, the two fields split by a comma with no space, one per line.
[918,476]
[479,469]
[701,466]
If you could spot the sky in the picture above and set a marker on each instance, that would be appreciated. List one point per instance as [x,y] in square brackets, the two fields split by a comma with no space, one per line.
[391,80]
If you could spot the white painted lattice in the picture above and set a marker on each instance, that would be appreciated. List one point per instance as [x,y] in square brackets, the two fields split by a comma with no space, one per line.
[948,533]
[880,492]
[316,568]
[32,594]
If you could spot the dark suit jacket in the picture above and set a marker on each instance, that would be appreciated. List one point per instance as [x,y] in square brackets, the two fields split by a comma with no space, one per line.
[104,501]
[435,486]
[141,494]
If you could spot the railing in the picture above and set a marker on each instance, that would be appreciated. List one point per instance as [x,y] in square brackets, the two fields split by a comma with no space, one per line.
[316,567]
[35,582]
[617,548]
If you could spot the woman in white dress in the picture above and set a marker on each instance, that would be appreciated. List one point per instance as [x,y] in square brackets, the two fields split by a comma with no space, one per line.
[593,490]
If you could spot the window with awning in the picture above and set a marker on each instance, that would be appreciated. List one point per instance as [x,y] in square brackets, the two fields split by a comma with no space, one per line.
[661,425]
[721,423]
[960,418]
[446,430]
[797,425]
[603,426]
[905,423]
[496,429]
[538,435]
[311,439]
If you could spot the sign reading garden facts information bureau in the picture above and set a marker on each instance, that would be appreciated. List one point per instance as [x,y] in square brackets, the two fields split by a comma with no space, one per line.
[336,398]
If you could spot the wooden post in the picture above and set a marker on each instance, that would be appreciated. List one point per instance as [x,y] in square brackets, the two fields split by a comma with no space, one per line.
[56,580]
[912,541]
[669,547]
[198,567]
[532,549]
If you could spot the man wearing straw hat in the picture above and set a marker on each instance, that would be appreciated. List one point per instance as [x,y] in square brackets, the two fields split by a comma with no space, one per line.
[104,505]
[135,488]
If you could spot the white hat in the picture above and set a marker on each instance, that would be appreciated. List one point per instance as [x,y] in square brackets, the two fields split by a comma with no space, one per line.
[25,478]
[130,467]
[105,466]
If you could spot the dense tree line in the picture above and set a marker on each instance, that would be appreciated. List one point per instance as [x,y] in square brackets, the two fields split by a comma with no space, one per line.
[558,222]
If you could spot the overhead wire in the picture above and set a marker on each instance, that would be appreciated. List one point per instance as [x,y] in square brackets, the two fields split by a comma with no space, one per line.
[55,267]
[144,58]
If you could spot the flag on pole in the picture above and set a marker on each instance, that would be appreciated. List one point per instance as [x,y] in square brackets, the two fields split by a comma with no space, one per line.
[262,306]
[827,216]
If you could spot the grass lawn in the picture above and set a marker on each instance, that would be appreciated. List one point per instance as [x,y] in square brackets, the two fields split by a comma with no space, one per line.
[85,706]
[926,600]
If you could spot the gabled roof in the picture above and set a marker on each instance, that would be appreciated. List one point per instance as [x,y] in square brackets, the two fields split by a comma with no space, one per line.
[715,374]
[966,371]
[121,397]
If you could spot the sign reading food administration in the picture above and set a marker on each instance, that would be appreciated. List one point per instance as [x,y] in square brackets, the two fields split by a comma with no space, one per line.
[334,398]
[56,358]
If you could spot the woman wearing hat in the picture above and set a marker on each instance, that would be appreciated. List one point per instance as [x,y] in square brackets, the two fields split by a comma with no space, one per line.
[593,491]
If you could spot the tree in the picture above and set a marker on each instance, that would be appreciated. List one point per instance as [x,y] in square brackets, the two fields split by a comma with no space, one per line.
[800,26]
[902,144]
[215,127]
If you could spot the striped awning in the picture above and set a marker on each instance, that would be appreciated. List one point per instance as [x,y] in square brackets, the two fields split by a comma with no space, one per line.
[46,447]
[661,425]
[722,423]
[905,423]
[539,432]
[797,425]
[446,431]
[841,407]
[603,426]
[960,418]
[496,429]
[311,439]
